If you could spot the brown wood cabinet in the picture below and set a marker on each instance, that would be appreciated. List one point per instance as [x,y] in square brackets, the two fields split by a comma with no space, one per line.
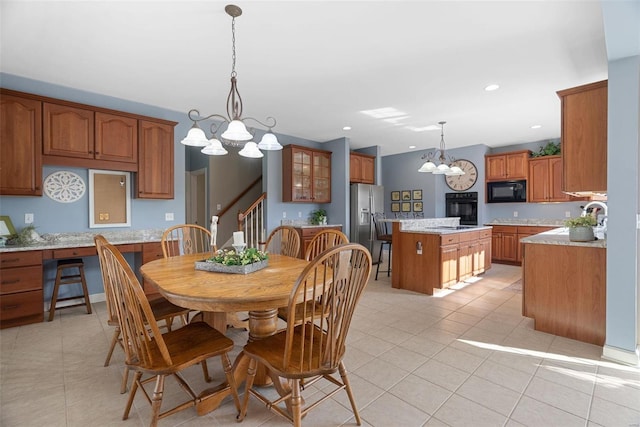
[306,175]
[507,166]
[116,138]
[584,137]
[308,233]
[155,168]
[21,294]
[151,251]
[564,290]
[361,168]
[426,261]
[505,242]
[545,180]
[20,146]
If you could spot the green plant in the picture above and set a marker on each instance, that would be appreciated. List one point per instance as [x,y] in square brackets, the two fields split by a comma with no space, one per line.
[551,149]
[580,221]
[23,237]
[231,257]
[318,216]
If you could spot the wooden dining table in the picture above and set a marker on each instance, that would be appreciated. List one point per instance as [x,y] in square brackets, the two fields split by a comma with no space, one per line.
[260,293]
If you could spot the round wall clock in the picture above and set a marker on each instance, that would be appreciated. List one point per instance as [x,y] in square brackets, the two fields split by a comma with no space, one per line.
[64,187]
[462,182]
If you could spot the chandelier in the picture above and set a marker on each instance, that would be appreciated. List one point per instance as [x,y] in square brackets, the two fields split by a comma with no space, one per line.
[236,134]
[443,168]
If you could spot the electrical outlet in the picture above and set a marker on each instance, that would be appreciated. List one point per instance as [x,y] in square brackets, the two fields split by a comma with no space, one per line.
[219,206]
[515,214]
[28,218]
[168,216]
[567,214]
[299,214]
[284,214]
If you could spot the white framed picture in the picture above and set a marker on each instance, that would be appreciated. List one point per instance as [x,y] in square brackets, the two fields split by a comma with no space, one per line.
[109,199]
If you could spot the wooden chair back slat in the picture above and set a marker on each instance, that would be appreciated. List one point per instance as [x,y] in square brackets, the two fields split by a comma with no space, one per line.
[324,240]
[185,239]
[283,240]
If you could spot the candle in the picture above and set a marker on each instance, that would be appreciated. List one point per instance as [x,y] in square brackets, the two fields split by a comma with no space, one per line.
[238,238]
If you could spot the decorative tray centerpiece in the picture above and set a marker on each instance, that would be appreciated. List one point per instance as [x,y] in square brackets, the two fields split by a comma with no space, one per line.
[235,261]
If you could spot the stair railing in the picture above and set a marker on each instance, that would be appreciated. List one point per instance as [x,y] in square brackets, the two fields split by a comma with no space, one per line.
[252,223]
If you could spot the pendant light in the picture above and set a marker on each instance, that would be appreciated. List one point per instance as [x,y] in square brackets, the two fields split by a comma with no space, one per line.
[442,168]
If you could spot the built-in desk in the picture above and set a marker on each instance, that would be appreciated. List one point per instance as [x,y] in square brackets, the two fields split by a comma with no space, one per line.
[22,273]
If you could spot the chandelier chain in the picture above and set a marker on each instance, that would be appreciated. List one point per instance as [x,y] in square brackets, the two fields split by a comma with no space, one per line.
[233,48]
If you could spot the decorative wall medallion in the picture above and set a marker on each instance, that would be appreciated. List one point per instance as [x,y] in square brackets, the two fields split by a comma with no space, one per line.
[64,187]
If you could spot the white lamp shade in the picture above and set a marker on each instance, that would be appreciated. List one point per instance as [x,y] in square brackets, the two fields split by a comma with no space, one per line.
[214,148]
[441,169]
[428,166]
[455,171]
[195,137]
[269,142]
[237,132]
[251,150]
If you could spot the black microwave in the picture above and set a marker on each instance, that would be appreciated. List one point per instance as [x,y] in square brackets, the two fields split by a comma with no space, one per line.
[507,192]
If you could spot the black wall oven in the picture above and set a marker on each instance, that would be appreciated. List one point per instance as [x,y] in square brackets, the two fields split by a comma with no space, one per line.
[463,205]
[507,192]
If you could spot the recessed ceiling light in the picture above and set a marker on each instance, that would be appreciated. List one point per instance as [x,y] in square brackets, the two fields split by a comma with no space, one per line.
[536,126]
[411,147]
[491,87]
[346,128]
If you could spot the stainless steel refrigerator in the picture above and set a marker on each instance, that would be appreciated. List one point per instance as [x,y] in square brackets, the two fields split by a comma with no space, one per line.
[365,200]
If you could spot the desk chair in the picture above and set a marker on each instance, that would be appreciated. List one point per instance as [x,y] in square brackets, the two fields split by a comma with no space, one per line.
[385,239]
[147,351]
[313,350]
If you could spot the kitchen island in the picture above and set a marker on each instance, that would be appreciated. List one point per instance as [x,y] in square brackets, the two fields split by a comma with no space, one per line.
[435,253]
[564,285]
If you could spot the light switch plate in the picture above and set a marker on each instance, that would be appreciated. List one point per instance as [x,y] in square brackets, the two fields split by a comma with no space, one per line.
[168,216]
[28,218]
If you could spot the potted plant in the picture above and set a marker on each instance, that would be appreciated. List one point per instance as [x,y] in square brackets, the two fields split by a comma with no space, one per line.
[551,149]
[319,217]
[581,228]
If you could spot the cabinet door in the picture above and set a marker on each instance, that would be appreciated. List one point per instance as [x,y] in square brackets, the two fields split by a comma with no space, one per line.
[517,165]
[355,168]
[68,131]
[483,257]
[116,138]
[584,137]
[368,170]
[538,183]
[555,181]
[496,167]
[496,246]
[20,146]
[448,265]
[155,169]
[509,246]
[321,177]
[465,260]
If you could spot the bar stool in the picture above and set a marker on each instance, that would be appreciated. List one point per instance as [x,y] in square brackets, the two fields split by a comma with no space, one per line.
[385,239]
[65,278]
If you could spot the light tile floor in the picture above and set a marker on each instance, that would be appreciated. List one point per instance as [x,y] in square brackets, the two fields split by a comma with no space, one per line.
[467,358]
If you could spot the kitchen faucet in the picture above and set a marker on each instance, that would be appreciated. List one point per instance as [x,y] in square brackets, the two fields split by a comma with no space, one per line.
[604,217]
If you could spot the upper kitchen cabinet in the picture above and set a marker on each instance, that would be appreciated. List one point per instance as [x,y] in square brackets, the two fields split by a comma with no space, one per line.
[545,180]
[507,166]
[20,145]
[306,175]
[155,169]
[361,168]
[584,137]
[82,137]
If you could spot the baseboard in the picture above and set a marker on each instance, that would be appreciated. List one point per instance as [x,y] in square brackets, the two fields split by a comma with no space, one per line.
[93,298]
[621,356]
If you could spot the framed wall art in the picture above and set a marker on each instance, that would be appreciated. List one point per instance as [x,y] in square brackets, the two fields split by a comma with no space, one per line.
[406,195]
[406,206]
[109,199]
[417,206]
[395,206]
[6,226]
[417,194]
[395,196]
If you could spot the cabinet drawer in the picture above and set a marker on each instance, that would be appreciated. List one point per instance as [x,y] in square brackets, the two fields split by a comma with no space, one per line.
[151,252]
[505,229]
[23,304]
[468,236]
[485,233]
[448,239]
[20,279]
[19,259]
[74,252]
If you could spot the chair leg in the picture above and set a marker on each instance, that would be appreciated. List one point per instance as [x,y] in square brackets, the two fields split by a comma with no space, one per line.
[347,386]
[231,379]
[54,296]
[132,394]
[379,260]
[389,265]
[296,403]
[85,291]
[205,371]
[251,375]
[125,380]
[114,341]
[156,400]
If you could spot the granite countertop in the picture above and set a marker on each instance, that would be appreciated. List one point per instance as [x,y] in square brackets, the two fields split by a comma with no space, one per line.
[532,222]
[449,230]
[560,236]
[84,239]
[436,226]
[317,225]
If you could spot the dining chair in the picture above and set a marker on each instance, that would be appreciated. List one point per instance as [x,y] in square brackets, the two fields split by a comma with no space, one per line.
[186,239]
[382,235]
[315,349]
[147,351]
[283,240]
[162,310]
[322,241]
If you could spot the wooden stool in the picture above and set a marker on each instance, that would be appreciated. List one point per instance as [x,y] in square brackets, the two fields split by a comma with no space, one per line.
[69,279]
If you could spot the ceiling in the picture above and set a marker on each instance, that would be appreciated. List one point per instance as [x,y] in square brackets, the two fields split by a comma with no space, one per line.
[315,66]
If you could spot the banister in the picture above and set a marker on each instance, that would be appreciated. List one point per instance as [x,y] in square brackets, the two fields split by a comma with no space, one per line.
[238,197]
